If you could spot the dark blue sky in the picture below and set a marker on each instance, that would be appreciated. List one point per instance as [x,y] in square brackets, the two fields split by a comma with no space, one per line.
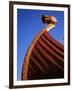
[29,24]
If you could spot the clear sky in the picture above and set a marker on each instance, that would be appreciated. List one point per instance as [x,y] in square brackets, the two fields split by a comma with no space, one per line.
[29,24]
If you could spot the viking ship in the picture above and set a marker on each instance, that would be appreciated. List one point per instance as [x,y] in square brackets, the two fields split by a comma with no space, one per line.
[45,56]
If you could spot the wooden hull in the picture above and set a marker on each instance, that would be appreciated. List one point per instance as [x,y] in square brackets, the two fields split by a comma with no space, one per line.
[44,59]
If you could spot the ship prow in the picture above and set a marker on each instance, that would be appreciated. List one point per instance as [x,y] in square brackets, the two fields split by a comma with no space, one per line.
[44,59]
